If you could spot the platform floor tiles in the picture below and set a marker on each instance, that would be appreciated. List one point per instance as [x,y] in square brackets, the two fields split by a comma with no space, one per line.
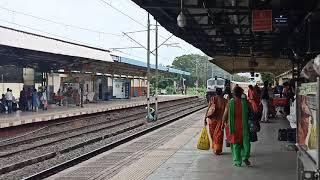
[178,158]
[271,160]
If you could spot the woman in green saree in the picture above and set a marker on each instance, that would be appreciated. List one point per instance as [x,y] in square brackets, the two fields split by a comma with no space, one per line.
[237,129]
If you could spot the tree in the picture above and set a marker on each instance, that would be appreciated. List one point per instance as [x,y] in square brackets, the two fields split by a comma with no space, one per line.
[199,67]
[267,77]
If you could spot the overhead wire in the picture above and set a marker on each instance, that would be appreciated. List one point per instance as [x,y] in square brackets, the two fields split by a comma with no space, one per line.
[123,13]
[60,23]
[74,26]
[136,21]
[110,5]
[42,31]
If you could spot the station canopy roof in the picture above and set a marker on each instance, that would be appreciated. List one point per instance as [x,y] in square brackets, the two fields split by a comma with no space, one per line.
[141,64]
[223,30]
[23,49]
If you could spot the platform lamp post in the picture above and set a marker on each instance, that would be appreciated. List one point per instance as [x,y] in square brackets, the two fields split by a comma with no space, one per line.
[148,68]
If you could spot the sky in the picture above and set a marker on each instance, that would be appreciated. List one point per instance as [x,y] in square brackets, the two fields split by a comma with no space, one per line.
[92,22]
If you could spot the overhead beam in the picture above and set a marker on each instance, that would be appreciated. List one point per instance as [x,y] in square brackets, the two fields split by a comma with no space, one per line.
[160,5]
[220,12]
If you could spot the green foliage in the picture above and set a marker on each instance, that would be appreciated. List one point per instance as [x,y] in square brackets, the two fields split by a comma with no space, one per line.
[199,67]
[163,82]
[201,91]
[267,77]
[239,78]
[170,89]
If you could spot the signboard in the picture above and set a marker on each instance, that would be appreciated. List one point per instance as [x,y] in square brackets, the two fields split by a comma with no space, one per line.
[281,21]
[261,20]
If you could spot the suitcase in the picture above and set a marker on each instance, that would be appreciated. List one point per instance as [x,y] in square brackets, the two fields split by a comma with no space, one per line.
[291,135]
[282,135]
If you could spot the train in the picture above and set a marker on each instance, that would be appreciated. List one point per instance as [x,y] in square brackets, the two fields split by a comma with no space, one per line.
[214,83]
[218,82]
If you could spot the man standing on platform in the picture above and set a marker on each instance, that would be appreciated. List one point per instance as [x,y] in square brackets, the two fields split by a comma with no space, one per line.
[9,98]
[264,100]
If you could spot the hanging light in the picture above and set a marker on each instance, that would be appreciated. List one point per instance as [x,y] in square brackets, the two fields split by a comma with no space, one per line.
[181,19]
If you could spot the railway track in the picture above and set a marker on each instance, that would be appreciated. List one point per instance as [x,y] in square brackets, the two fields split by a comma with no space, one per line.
[99,117]
[113,132]
[68,128]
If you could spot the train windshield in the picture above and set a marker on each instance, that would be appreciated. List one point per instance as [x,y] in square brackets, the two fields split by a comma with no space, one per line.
[211,82]
[220,82]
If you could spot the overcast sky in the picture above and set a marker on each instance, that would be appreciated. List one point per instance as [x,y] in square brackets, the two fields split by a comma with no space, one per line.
[95,15]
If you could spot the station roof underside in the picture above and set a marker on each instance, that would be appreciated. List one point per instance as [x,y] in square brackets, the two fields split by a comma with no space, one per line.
[23,49]
[223,30]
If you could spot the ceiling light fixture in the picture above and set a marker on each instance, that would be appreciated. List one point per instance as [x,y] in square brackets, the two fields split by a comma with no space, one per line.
[181,19]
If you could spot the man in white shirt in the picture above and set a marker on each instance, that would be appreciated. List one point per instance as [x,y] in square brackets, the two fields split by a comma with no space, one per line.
[9,98]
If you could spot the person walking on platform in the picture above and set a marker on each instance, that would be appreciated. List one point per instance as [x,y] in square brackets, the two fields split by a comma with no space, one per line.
[253,98]
[9,98]
[264,100]
[44,99]
[236,115]
[23,101]
[29,99]
[271,108]
[214,115]
[35,100]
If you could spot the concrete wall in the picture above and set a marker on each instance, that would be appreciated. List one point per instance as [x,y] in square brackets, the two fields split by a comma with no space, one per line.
[54,79]
[16,88]
[28,76]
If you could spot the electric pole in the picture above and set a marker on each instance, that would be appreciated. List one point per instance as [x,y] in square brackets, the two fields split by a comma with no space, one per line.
[148,68]
[157,83]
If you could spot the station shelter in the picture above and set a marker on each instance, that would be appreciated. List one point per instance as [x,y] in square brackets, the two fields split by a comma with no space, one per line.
[34,61]
[258,36]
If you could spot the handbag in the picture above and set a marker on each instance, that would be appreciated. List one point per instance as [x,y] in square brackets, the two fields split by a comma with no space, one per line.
[312,143]
[203,141]
[254,124]
[211,108]
[253,137]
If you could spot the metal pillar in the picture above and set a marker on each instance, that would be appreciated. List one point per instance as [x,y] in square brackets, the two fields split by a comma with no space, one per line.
[148,67]
[211,71]
[197,82]
[206,73]
[2,81]
[157,79]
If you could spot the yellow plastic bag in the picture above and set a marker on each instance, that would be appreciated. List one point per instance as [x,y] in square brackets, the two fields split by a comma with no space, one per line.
[203,142]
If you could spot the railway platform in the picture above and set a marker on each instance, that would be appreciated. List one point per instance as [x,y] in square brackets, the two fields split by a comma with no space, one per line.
[170,153]
[57,112]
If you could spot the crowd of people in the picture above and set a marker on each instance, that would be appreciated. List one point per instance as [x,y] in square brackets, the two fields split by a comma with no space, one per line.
[239,115]
[32,99]
[29,100]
